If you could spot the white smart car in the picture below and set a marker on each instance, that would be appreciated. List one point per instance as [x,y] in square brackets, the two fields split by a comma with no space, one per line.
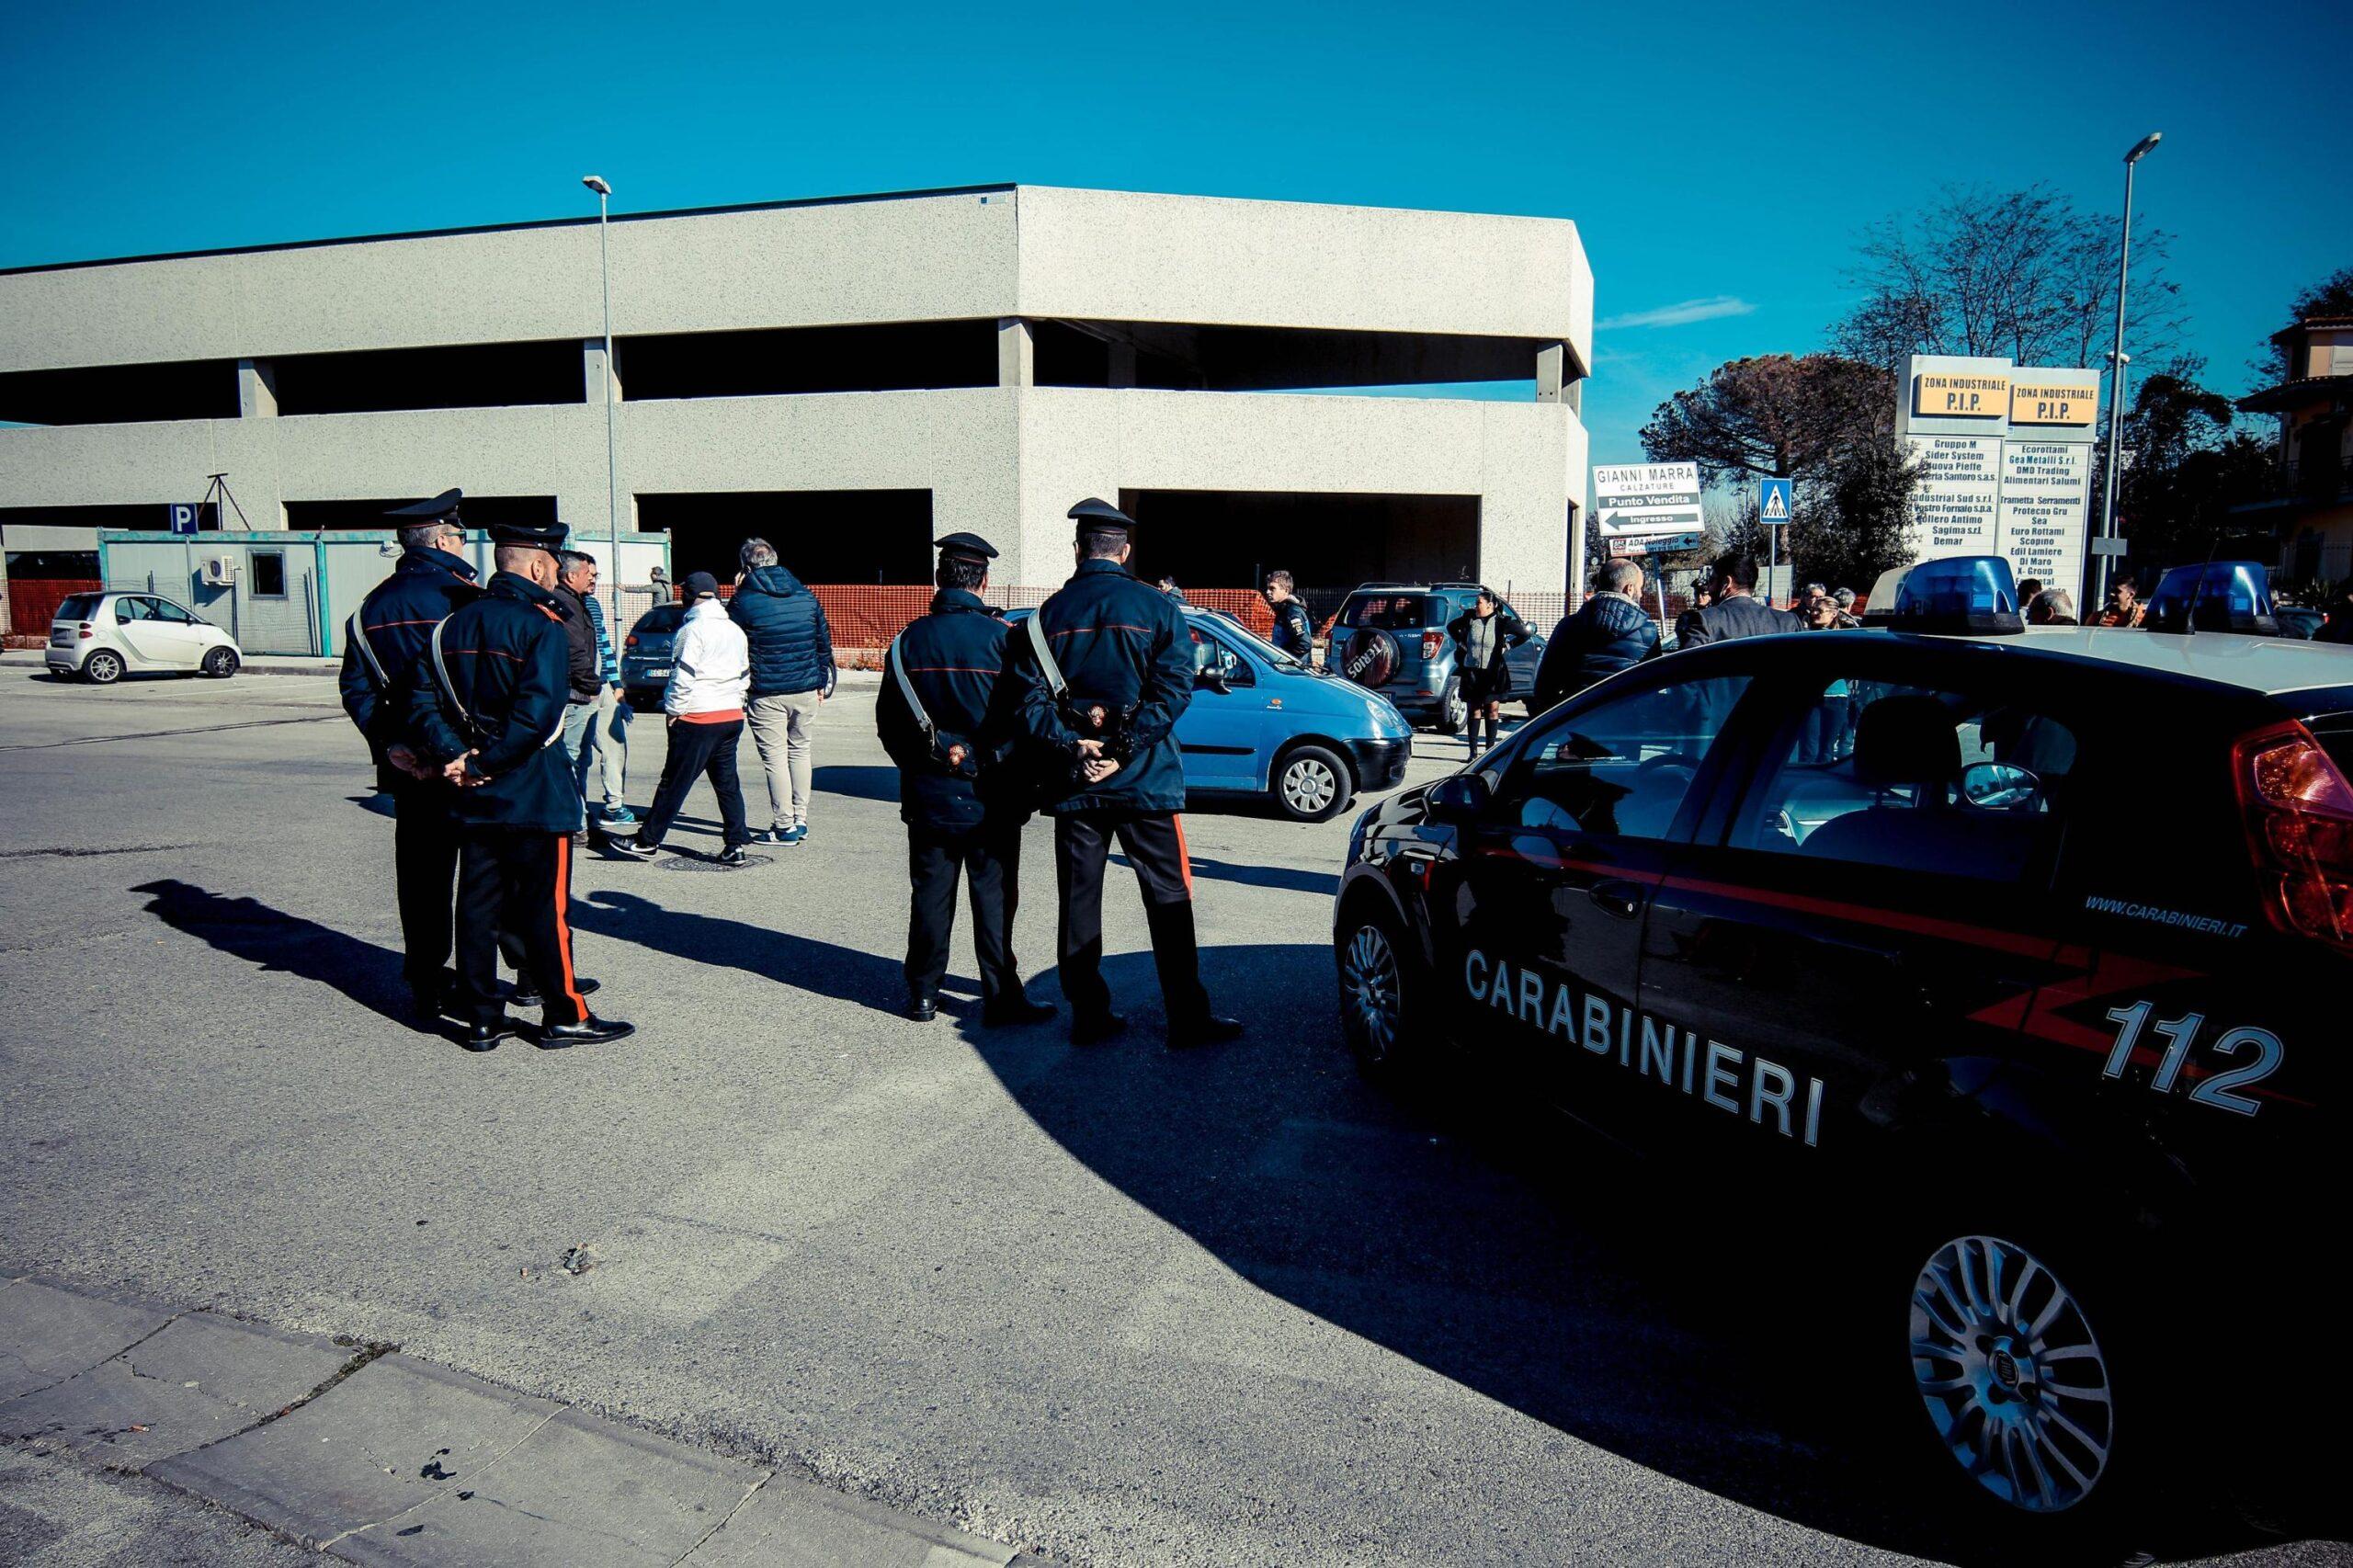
[103,637]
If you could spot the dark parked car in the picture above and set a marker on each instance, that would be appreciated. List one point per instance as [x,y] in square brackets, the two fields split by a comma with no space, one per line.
[1390,638]
[645,655]
[1944,952]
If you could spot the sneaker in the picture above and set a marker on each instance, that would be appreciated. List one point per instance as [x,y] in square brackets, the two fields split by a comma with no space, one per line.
[796,834]
[628,848]
[618,816]
[734,856]
[771,834]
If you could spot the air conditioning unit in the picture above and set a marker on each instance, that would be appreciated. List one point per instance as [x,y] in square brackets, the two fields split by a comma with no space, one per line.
[220,571]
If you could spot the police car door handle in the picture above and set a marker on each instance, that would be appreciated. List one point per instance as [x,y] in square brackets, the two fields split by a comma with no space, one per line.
[1621,899]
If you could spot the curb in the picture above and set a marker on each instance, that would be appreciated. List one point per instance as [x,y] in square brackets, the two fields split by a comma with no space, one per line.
[266,664]
[376,1457]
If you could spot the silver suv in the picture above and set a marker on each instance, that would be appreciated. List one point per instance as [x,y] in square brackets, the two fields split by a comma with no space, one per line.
[1390,638]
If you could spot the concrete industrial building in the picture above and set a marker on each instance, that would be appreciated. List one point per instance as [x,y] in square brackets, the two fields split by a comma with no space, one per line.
[849,376]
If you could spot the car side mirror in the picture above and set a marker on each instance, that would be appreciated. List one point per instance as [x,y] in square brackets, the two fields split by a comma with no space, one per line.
[1463,798]
[1212,676]
[2000,787]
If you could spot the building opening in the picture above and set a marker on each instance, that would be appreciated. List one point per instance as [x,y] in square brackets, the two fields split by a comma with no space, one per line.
[783,361]
[476,375]
[1225,538]
[820,536]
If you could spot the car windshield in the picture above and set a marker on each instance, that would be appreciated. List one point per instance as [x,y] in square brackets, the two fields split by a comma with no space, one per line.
[659,622]
[77,607]
[1391,612]
[1234,632]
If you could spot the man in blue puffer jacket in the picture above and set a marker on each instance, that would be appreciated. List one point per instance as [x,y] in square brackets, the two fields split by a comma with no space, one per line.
[1610,631]
[792,672]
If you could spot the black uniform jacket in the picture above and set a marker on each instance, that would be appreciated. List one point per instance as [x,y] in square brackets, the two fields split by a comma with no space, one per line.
[954,657]
[396,616]
[1735,616]
[508,657]
[1121,643]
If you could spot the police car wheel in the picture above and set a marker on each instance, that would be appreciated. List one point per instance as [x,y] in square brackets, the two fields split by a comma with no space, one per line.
[2015,1379]
[220,662]
[102,669]
[1454,713]
[1312,784]
[1374,1016]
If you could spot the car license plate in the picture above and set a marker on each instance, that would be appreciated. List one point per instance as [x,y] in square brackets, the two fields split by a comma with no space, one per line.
[658,672]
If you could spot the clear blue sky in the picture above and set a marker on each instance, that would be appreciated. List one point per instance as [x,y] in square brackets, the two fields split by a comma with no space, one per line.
[1724,153]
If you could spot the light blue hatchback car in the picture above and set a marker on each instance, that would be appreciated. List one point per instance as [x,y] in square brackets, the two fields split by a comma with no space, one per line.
[1261,724]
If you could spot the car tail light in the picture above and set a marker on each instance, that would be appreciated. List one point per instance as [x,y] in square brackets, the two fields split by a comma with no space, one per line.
[2299,830]
[631,640]
[86,630]
[1431,642]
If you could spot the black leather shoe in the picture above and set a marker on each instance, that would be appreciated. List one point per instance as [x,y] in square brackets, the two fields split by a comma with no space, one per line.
[1095,1030]
[922,1009]
[522,993]
[1210,1030]
[590,1031]
[485,1037]
[1015,1010]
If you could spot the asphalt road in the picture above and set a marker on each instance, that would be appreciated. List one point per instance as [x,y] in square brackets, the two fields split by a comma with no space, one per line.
[1118,1306]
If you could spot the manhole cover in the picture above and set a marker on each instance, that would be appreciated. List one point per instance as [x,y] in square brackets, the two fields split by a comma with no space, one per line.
[697,863]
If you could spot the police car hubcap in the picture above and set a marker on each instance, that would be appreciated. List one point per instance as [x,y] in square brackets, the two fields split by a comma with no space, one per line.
[2011,1374]
[1308,785]
[1369,981]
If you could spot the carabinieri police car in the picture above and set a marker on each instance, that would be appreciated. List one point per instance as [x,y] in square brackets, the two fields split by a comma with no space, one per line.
[2029,953]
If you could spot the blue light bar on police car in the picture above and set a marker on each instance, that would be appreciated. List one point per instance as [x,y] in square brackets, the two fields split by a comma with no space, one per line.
[1973,593]
[2216,595]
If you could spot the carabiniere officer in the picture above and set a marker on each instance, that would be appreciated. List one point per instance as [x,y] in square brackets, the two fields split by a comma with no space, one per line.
[487,713]
[385,649]
[961,793]
[1102,700]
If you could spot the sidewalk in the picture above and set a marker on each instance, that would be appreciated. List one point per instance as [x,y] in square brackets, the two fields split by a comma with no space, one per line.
[294,665]
[377,1457]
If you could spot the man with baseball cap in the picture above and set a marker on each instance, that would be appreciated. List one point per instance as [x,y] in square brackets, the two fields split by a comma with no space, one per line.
[711,669]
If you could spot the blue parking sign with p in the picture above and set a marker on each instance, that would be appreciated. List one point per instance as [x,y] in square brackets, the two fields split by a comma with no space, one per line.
[182,518]
[1773,500]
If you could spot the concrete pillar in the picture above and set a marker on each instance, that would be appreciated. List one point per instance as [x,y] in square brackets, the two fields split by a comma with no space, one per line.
[1551,366]
[257,389]
[592,367]
[1016,353]
[1123,364]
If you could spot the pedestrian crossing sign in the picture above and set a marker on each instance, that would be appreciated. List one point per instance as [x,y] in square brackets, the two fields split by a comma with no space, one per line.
[1773,500]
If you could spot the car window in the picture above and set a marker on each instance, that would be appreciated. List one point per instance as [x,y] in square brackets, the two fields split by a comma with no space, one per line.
[1913,779]
[1621,766]
[166,610]
[128,609]
[1211,652]
[76,607]
[660,619]
[1251,640]
[1394,612]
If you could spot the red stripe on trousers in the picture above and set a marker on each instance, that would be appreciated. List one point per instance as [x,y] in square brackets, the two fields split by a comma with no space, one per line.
[563,921]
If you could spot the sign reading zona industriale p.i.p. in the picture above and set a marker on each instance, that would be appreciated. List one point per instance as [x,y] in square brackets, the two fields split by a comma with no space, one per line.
[2005,461]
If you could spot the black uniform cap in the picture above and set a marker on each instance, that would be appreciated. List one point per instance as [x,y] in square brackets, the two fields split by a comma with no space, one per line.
[1092,515]
[539,536]
[442,509]
[968,546]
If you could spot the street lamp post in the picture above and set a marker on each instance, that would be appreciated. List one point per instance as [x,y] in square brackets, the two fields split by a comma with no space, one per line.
[612,464]
[2118,359]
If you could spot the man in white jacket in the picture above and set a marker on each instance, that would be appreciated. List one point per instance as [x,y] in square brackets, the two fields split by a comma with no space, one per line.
[710,668]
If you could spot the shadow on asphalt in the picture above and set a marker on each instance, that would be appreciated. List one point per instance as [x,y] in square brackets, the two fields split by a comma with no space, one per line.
[1689,1323]
[1290,879]
[270,938]
[824,969]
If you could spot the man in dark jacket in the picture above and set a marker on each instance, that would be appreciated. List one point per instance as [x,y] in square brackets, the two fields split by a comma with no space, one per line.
[792,674]
[576,583]
[961,794]
[1101,702]
[1736,612]
[1483,635]
[1294,633]
[1610,631]
[488,714]
[384,644]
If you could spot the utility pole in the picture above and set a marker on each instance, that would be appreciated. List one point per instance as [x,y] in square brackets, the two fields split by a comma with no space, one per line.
[2098,597]
[613,460]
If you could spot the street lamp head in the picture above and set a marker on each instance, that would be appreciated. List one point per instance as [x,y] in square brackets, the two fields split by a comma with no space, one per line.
[2142,148]
[596,182]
